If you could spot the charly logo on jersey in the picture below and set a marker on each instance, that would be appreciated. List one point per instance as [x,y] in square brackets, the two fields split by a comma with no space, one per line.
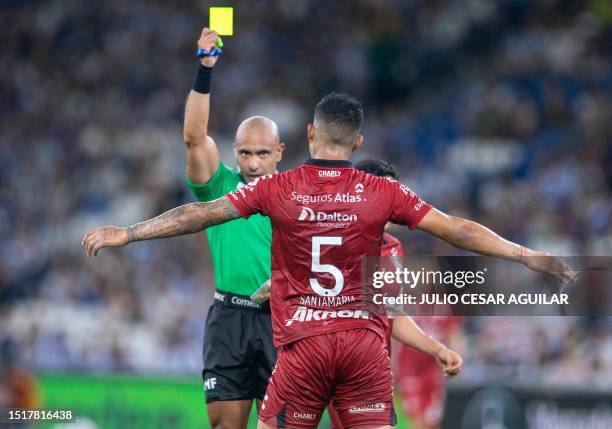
[304,314]
[368,408]
[304,416]
[340,197]
[309,215]
[329,173]
[359,188]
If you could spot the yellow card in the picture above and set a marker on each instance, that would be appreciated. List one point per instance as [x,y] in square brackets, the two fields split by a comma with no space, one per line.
[222,20]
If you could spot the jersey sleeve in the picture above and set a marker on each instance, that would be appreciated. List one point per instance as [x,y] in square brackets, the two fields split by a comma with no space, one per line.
[223,181]
[252,198]
[407,208]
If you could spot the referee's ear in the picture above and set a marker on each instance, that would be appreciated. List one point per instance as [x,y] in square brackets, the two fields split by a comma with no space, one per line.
[281,148]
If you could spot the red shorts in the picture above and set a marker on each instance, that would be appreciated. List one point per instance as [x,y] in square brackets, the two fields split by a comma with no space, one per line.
[423,392]
[334,418]
[351,368]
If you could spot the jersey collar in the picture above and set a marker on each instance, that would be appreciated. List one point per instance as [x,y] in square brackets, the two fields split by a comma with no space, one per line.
[329,163]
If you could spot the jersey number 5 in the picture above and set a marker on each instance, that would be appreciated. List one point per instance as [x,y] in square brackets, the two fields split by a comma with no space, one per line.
[318,267]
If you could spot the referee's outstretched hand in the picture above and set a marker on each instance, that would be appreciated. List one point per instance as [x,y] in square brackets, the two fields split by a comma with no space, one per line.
[208,41]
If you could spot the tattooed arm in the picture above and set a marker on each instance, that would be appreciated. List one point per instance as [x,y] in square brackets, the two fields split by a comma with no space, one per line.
[185,219]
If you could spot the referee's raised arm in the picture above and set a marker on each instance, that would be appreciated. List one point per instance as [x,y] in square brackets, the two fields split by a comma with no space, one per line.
[202,153]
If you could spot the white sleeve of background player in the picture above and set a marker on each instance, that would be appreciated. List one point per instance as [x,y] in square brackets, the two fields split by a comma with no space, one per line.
[252,198]
[407,208]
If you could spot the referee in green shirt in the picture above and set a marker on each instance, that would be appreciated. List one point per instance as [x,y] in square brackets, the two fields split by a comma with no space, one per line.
[238,350]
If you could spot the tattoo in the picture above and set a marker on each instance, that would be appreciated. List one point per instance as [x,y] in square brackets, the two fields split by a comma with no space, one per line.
[185,219]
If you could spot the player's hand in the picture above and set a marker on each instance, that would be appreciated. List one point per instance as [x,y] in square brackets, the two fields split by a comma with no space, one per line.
[262,294]
[208,40]
[104,236]
[546,263]
[449,361]
[265,291]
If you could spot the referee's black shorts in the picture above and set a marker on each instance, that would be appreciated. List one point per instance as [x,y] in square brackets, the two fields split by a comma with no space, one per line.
[238,350]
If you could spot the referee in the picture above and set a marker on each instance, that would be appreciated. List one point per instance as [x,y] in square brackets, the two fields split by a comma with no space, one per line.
[238,350]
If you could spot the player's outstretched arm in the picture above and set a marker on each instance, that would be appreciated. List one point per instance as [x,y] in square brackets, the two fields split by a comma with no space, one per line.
[406,331]
[474,237]
[202,153]
[185,219]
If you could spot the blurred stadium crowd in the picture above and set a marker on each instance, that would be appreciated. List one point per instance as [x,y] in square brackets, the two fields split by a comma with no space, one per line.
[500,111]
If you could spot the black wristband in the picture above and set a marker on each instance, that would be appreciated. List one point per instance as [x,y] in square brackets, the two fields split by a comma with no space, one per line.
[202,80]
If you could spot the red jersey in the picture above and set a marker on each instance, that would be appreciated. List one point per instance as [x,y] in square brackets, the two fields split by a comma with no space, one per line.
[391,246]
[326,217]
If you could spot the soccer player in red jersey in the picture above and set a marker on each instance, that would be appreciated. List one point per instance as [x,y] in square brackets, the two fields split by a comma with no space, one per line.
[326,216]
[420,381]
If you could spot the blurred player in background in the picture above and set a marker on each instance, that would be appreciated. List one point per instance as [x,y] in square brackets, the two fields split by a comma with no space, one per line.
[330,347]
[418,376]
[18,387]
[238,349]
[391,246]
[420,382]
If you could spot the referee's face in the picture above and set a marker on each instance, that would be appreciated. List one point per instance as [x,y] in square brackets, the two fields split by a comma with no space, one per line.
[258,151]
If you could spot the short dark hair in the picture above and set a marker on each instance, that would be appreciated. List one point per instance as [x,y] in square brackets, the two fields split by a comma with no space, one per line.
[341,114]
[377,167]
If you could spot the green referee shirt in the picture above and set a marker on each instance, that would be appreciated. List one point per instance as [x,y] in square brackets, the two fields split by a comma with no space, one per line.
[240,248]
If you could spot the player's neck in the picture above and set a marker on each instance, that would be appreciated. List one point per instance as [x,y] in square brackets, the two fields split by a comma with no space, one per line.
[330,152]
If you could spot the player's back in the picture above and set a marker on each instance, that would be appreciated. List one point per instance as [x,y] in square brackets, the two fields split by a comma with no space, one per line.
[326,217]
